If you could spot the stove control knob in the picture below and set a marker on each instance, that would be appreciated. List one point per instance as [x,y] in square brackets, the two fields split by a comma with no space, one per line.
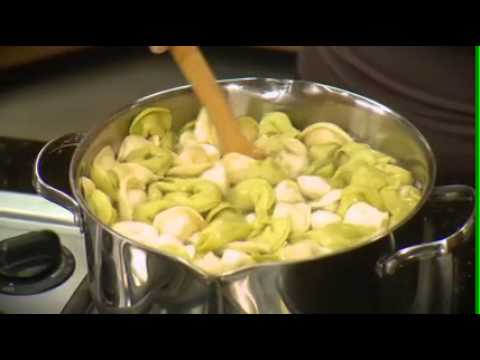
[33,263]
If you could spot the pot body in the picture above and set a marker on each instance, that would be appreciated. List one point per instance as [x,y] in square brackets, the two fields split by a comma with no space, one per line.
[127,277]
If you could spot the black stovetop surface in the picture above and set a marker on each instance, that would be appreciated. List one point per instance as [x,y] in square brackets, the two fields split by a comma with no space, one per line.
[17,157]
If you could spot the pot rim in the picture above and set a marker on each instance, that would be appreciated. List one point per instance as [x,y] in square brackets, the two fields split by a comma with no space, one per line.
[91,135]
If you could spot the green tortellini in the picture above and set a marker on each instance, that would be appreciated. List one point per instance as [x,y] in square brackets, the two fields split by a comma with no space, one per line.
[268,170]
[272,237]
[152,121]
[352,157]
[166,142]
[400,202]
[322,158]
[249,128]
[156,159]
[200,195]
[101,172]
[240,167]
[324,133]
[223,230]
[276,123]
[323,154]
[395,175]
[194,160]
[253,194]
[101,206]
[356,193]
[369,176]
[339,236]
[98,202]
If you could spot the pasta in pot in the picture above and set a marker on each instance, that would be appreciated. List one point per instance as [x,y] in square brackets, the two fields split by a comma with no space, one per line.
[318,191]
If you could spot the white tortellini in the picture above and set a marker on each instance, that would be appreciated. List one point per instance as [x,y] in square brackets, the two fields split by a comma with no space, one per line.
[194,160]
[205,131]
[181,222]
[218,175]
[237,166]
[210,263]
[288,191]
[313,187]
[364,214]
[325,133]
[303,250]
[299,215]
[329,201]
[130,144]
[321,218]
[233,259]
[138,231]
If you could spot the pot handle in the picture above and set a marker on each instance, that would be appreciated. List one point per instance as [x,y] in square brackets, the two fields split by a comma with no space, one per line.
[56,147]
[440,197]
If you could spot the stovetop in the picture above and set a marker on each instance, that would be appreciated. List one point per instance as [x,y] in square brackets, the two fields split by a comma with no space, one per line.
[21,212]
[16,164]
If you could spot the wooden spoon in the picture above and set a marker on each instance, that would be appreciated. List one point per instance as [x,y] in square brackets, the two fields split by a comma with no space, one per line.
[197,71]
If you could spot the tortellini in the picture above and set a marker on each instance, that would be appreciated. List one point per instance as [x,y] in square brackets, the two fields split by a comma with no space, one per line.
[303,250]
[340,236]
[290,154]
[316,193]
[249,128]
[223,230]
[253,194]
[237,166]
[325,133]
[298,214]
[329,201]
[288,191]
[218,175]
[200,195]
[321,218]
[272,237]
[181,222]
[152,121]
[366,215]
[101,206]
[277,123]
[101,172]
[313,187]
[194,160]
[204,131]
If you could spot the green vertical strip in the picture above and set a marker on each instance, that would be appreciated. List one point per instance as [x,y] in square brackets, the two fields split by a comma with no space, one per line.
[477,187]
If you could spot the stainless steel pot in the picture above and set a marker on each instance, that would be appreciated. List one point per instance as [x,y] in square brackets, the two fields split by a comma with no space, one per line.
[125,276]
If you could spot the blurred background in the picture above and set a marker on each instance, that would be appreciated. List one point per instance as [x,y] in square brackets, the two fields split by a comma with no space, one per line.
[47,91]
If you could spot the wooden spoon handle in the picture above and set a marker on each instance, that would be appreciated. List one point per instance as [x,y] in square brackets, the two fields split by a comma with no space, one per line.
[198,73]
